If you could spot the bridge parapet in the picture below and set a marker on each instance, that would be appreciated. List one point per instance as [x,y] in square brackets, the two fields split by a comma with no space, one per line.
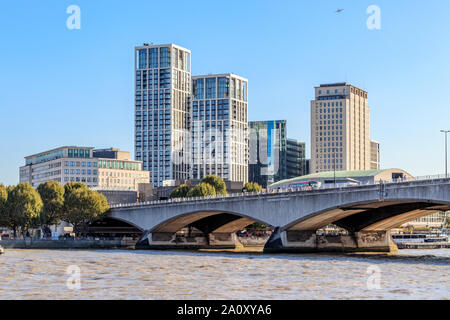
[283,192]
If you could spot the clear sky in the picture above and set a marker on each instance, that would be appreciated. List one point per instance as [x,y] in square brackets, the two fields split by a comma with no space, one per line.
[75,87]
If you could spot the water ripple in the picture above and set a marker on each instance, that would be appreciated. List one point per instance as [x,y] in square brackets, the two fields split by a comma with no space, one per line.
[41,274]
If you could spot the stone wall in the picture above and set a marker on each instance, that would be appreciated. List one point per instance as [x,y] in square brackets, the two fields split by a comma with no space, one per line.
[67,244]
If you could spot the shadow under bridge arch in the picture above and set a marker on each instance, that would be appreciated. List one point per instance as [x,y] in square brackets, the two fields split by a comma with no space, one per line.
[114,225]
[207,222]
[369,215]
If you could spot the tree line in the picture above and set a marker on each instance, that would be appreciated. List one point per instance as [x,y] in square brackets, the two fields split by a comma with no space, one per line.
[211,185]
[23,208]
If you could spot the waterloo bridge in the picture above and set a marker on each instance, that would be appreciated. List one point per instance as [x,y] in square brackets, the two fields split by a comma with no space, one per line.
[367,212]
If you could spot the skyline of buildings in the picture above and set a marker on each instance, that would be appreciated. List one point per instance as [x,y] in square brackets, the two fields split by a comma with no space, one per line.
[100,78]
[187,127]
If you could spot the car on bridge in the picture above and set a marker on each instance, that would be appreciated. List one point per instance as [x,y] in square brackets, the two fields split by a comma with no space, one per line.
[306,185]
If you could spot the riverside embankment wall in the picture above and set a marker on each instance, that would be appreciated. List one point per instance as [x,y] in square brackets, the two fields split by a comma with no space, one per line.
[67,244]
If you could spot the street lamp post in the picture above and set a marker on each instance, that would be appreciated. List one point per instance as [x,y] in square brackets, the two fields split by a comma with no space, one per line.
[334,166]
[445,132]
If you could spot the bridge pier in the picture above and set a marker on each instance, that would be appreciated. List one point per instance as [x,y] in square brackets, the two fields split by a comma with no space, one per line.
[171,241]
[309,242]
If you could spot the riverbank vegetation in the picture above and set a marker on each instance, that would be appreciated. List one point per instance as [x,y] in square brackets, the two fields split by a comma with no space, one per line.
[23,208]
[210,185]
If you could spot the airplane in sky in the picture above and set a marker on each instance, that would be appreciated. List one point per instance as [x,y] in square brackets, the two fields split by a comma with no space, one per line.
[339,10]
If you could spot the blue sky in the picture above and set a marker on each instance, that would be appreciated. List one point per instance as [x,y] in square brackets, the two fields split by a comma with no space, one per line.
[75,87]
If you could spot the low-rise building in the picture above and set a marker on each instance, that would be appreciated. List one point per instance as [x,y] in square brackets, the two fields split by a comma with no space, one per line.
[332,179]
[64,164]
[117,170]
[102,168]
[434,220]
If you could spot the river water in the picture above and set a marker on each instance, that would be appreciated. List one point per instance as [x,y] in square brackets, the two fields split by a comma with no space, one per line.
[121,274]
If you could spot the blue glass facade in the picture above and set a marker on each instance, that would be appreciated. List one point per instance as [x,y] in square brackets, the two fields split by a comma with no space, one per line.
[267,146]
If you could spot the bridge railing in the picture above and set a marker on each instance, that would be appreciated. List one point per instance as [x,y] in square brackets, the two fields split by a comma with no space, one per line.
[339,186]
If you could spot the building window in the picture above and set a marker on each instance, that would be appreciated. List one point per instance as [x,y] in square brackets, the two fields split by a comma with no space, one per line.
[165,58]
[142,59]
[199,89]
[210,88]
[223,87]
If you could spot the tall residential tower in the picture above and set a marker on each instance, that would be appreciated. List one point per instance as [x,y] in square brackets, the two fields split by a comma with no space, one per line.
[340,129]
[219,127]
[163,86]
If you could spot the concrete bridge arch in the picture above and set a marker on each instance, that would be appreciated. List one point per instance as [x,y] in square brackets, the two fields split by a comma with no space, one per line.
[216,220]
[378,214]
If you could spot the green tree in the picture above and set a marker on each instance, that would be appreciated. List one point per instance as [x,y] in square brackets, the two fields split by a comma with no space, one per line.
[52,195]
[23,207]
[252,187]
[180,192]
[256,226]
[217,183]
[3,203]
[69,186]
[82,206]
[202,190]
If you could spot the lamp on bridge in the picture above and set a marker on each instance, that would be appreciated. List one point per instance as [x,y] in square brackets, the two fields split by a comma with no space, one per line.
[445,132]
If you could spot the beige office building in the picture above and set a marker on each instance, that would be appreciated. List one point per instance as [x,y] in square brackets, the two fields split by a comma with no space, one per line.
[340,129]
[116,170]
[64,164]
[434,220]
[104,168]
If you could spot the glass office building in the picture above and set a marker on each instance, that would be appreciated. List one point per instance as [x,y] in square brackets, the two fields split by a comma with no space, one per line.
[296,163]
[267,143]
[219,127]
[163,86]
